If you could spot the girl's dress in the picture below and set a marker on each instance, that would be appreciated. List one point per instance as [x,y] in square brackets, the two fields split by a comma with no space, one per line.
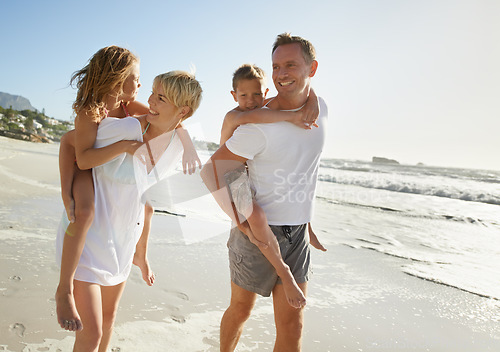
[119,210]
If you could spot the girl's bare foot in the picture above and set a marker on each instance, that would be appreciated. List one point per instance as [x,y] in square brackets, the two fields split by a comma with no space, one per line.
[147,274]
[67,315]
[293,293]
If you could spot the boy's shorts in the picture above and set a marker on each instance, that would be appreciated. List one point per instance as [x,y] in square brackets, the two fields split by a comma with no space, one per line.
[252,271]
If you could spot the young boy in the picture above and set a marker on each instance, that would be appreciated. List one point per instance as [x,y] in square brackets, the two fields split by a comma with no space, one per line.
[249,91]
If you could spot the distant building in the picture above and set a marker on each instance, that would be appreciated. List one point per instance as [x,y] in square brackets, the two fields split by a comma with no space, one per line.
[37,125]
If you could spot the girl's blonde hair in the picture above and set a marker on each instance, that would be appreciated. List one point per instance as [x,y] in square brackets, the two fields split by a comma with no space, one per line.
[105,72]
[181,89]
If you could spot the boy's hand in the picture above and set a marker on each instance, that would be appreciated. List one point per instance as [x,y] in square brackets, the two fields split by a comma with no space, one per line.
[310,110]
[131,146]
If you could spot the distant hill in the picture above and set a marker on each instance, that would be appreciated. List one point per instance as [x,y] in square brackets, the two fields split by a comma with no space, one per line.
[16,101]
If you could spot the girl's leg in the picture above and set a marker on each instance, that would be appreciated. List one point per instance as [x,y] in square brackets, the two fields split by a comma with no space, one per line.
[141,249]
[74,241]
[262,232]
[110,299]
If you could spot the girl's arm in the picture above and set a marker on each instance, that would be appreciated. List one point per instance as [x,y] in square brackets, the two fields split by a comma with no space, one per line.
[87,157]
[189,157]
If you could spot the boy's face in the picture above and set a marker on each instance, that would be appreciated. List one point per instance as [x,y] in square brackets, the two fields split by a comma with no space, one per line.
[250,94]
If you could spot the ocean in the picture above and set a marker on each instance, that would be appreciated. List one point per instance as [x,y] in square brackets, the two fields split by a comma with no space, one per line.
[445,222]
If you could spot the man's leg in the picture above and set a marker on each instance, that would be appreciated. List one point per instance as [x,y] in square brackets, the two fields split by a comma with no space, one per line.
[233,320]
[288,320]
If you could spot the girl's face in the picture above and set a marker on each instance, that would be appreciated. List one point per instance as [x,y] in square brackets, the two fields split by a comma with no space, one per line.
[131,84]
[162,113]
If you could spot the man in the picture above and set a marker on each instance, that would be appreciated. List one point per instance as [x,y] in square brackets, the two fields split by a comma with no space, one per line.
[283,162]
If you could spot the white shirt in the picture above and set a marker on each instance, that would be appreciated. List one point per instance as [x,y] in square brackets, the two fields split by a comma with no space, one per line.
[283,162]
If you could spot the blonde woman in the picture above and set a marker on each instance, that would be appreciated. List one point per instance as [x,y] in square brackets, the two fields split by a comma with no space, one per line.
[107,86]
[114,234]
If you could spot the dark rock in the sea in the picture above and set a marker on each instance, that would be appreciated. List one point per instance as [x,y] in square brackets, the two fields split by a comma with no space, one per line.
[380,160]
[420,164]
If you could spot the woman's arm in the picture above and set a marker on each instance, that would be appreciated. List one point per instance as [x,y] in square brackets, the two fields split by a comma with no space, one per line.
[87,156]
[67,172]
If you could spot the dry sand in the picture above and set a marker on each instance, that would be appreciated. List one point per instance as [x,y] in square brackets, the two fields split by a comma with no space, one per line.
[358,300]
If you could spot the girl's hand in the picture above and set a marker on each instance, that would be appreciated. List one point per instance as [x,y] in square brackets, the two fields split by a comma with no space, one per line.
[131,146]
[189,160]
[69,206]
[310,110]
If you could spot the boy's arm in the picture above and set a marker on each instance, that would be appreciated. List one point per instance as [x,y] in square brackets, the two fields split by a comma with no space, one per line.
[86,155]
[189,157]
[229,125]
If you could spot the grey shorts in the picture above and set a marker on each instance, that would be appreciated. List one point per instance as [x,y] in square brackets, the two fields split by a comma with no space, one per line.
[252,271]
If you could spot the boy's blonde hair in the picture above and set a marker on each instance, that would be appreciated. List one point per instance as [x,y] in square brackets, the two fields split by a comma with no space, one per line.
[248,71]
[181,89]
[308,50]
[105,71]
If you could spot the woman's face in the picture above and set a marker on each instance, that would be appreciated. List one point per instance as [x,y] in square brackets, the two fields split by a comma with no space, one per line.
[131,84]
[162,113]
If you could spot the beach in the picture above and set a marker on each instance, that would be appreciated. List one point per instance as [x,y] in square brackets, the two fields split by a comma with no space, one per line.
[381,286]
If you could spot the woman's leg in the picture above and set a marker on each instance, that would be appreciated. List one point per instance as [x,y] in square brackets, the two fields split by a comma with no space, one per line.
[262,232]
[88,300]
[110,299]
[74,241]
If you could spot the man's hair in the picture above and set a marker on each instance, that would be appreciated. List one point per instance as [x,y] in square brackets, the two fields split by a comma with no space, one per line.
[308,50]
[248,71]
[181,89]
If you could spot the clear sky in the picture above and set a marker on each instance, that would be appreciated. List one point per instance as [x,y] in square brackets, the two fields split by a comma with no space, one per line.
[416,81]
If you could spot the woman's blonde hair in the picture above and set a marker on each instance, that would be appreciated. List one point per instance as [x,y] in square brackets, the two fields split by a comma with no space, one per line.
[105,72]
[181,89]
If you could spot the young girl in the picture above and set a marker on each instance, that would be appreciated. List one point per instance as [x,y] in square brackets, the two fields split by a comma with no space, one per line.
[249,91]
[107,86]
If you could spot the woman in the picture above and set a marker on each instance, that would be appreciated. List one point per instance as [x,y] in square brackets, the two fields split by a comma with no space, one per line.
[110,244]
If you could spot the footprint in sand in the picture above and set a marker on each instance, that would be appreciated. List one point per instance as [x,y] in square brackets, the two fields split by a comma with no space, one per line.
[18,329]
[178,319]
[177,294]
[15,278]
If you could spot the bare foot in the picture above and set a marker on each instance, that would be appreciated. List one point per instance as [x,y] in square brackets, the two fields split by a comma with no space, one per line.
[67,315]
[293,293]
[147,274]
[314,241]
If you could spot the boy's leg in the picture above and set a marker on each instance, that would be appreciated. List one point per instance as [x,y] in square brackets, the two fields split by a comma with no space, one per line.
[110,299]
[141,248]
[234,318]
[74,241]
[262,232]
[289,321]
[313,239]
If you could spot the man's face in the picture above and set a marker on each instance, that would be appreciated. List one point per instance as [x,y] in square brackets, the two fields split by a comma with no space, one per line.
[291,73]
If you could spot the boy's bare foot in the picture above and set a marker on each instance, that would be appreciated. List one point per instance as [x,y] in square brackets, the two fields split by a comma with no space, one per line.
[147,274]
[294,294]
[314,241]
[67,315]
